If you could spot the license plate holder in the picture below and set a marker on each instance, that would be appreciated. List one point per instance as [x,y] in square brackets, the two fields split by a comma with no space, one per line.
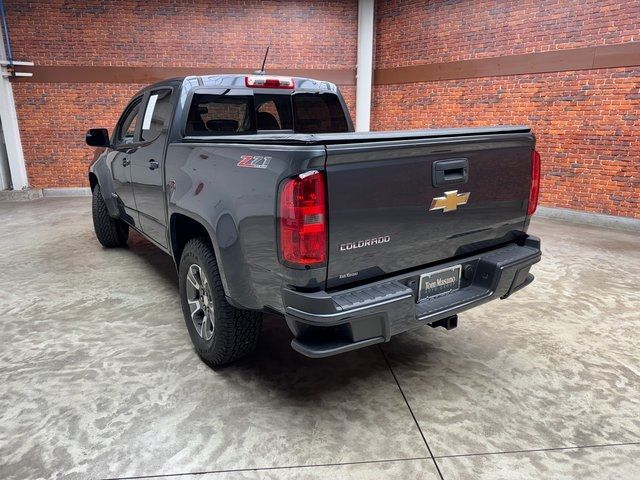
[440,282]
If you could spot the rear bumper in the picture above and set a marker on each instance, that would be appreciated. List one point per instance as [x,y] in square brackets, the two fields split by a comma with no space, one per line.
[327,324]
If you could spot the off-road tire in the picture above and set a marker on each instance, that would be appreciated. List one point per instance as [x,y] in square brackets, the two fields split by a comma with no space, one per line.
[235,331]
[111,232]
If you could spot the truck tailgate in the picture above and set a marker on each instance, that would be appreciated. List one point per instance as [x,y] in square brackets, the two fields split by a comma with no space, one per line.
[381,191]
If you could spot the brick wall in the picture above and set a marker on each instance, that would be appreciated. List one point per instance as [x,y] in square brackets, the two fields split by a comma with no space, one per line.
[422,31]
[53,117]
[586,121]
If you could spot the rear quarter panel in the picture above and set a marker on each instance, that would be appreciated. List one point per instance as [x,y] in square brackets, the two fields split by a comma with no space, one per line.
[238,207]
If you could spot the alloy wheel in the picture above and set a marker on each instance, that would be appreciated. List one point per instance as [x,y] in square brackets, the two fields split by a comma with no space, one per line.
[200,301]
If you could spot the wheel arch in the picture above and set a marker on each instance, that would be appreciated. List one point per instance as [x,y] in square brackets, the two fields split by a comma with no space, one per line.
[100,176]
[182,228]
[93,180]
[234,271]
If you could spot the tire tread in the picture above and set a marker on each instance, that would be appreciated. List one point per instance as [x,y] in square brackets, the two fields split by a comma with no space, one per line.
[236,331]
[111,232]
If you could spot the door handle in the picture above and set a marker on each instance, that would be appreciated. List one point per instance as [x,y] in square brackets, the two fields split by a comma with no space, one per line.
[153,164]
[126,162]
[446,172]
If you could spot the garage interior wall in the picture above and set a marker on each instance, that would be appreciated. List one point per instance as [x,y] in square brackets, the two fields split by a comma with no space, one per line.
[586,121]
[92,56]
[76,43]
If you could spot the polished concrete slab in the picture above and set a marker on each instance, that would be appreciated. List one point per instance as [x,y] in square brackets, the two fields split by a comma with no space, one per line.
[98,378]
[416,469]
[619,462]
[556,365]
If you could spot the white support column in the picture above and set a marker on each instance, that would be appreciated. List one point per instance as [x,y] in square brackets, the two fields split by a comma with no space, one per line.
[364,73]
[10,129]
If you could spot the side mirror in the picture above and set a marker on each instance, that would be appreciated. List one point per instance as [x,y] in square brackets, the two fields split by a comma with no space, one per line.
[97,137]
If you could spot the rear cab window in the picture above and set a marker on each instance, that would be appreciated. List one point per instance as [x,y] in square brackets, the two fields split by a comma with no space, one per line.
[318,113]
[213,114]
[262,112]
[273,112]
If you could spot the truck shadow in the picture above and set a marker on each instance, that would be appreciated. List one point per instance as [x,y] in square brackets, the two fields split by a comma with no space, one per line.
[279,370]
[275,368]
[157,260]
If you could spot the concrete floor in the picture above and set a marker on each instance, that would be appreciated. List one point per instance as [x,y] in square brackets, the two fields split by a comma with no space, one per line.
[98,378]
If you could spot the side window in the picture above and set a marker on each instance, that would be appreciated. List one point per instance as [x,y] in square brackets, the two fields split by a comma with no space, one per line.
[157,114]
[126,128]
[220,115]
[273,112]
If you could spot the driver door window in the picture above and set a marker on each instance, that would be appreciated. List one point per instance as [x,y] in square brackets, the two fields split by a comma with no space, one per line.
[127,127]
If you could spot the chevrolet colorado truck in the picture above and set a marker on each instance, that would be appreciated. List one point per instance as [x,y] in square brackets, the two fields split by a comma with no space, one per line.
[268,201]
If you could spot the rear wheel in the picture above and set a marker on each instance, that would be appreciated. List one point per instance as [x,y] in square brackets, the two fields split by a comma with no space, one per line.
[220,332]
[111,232]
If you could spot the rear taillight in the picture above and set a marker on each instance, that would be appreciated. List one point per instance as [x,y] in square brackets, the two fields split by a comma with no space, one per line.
[260,81]
[535,183]
[303,220]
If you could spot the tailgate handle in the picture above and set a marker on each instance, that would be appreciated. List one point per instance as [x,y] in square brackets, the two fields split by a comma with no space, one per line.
[447,172]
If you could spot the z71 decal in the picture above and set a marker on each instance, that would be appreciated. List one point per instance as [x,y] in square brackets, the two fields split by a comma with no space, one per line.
[254,161]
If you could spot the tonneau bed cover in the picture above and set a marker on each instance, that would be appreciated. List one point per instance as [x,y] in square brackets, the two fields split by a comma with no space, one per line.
[356,137]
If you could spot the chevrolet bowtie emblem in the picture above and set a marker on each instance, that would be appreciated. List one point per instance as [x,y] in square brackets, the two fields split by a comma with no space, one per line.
[450,201]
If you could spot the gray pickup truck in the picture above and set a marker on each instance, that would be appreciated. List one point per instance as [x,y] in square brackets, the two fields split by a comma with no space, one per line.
[267,201]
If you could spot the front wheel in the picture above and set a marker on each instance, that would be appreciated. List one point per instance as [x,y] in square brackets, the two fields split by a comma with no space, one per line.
[111,232]
[220,332]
